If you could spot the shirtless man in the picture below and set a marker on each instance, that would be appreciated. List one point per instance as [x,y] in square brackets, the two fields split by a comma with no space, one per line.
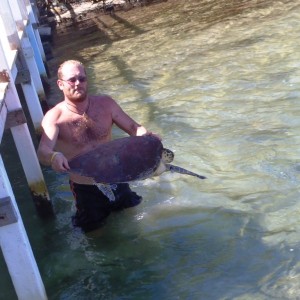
[76,125]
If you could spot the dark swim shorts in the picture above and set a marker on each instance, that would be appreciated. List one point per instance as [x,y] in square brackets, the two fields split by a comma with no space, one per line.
[93,207]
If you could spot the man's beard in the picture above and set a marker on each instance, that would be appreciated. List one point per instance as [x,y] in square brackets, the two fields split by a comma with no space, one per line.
[79,97]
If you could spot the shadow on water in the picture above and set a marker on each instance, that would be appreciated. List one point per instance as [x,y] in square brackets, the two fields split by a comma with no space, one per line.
[70,9]
[98,29]
[129,76]
[134,29]
[106,29]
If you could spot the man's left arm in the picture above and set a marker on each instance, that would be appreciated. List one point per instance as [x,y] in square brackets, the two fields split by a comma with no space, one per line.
[126,123]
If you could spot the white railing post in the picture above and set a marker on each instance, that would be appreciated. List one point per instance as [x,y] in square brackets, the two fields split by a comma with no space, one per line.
[15,246]
[28,53]
[22,137]
[15,48]
[23,77]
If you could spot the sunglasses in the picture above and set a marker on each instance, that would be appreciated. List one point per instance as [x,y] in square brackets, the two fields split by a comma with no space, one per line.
[72,80]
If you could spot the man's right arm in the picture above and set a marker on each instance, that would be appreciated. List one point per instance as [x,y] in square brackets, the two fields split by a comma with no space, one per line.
[45,152]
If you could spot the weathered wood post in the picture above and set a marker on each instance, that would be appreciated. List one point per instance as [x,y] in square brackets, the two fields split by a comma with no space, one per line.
[15,245]
[25,79]
[28,73]
[16,120]
[16,12]
[34,37]
[18,65]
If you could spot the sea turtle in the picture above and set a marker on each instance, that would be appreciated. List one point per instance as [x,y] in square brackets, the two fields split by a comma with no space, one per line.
[125,160]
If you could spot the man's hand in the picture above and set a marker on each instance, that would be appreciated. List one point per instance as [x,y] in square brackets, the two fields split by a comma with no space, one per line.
[59,163]
[141,130]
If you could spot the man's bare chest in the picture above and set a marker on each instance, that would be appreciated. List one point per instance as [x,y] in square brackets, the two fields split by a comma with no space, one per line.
[81,130]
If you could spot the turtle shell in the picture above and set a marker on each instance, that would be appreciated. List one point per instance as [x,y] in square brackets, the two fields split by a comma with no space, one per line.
[121,160]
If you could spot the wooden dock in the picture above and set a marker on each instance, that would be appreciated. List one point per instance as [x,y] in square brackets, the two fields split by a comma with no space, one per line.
[22,65]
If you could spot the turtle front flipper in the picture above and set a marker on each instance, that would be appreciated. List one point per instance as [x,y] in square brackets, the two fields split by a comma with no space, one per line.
[180,170]
[106,190]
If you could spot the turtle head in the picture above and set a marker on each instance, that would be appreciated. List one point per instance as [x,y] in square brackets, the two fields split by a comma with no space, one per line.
[167,155]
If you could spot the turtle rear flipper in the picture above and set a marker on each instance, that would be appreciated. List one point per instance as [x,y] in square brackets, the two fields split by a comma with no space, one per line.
[180,170]
[106,190]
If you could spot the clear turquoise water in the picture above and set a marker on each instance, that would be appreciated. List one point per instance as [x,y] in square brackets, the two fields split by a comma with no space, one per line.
[218,80]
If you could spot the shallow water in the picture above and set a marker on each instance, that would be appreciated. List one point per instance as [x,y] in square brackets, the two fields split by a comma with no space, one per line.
[218,80]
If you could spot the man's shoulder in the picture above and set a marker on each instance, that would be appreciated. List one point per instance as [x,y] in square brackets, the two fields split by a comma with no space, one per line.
[54,111]
[103,99]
